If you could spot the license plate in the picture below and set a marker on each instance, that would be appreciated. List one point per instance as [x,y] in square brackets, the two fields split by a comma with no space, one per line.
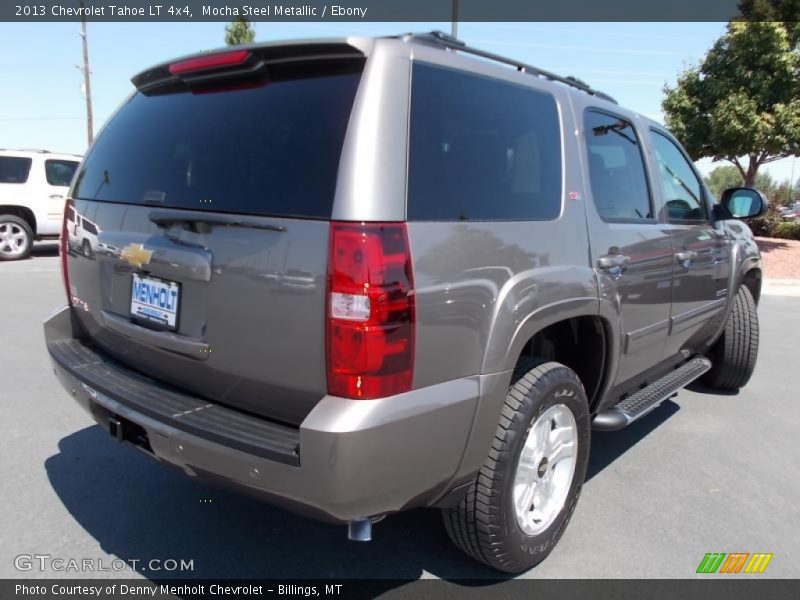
[155,300]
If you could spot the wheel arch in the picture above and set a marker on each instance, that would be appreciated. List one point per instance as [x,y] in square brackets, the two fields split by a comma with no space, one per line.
[571,331]
[745,270]
[23,212]
[547,323]
[752,280]
[584,343]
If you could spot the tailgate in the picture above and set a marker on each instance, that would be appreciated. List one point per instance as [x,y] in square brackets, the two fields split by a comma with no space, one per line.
[199,237]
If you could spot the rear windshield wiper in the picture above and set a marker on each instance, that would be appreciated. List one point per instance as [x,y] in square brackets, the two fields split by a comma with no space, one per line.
[204,223]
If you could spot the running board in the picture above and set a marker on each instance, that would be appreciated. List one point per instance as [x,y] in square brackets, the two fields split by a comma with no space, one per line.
[646,399]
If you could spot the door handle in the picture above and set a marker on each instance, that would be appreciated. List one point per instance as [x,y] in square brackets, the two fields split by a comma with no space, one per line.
[56,196]
[686,258]
[614,265]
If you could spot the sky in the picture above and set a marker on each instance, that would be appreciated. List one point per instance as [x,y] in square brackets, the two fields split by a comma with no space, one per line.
[42,105]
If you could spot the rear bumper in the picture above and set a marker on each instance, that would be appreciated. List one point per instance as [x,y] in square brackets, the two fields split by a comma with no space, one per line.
[347,460]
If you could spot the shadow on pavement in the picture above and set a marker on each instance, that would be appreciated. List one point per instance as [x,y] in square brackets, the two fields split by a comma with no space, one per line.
[768,245]
[44,249]
[701,388]
[138,510]
[608,446]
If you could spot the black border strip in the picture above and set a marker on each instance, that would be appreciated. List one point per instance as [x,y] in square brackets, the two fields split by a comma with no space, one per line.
[706,588]
[371,10]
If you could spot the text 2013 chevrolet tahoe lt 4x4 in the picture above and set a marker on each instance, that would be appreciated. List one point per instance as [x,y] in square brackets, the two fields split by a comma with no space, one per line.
[359,276]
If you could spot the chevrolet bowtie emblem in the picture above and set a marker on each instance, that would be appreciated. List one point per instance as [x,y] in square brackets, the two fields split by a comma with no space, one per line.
[136,255]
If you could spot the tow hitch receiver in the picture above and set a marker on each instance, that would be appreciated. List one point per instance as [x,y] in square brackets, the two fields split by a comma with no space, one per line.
[115,428]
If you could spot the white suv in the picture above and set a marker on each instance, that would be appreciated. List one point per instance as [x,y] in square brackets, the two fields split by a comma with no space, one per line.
[33,185]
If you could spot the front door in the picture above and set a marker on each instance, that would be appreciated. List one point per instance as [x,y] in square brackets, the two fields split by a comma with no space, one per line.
[701,262]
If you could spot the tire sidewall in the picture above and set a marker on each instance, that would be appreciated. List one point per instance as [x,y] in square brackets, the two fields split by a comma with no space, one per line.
[531,549]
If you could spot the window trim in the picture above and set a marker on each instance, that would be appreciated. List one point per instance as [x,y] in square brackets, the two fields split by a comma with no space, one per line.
[524,84]
[650,200]
[27,175]
[704,199]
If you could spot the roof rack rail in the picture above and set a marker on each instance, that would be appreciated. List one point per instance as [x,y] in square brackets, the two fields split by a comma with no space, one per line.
[443,40]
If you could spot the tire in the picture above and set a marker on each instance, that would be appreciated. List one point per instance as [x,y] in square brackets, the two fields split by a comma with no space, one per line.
[734,355]
[86,249]
[485,525]
[16,238]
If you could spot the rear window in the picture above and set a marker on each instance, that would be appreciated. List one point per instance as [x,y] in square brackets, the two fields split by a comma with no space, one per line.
[481,149]
[59,172]
[272,149]
[14,169]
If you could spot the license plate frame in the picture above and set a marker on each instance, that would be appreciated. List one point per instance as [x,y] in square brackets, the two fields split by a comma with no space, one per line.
[163,314]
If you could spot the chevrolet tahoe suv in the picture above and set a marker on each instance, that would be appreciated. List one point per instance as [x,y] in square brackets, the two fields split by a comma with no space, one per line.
[358,276]
[33,187]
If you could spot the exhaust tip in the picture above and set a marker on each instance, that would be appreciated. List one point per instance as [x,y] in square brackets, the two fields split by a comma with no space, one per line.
[359,530]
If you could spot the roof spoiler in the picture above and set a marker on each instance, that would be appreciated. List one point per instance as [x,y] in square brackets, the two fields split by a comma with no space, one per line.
[238,62]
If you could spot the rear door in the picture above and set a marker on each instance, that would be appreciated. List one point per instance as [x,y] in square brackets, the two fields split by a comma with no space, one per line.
[701,251]
[14,176]
[53,186]
[630,249]
[211,203]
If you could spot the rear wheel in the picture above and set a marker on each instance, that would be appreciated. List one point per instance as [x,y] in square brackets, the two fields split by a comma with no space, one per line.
[734,355]
[527,489]
[86,249]
[16,237]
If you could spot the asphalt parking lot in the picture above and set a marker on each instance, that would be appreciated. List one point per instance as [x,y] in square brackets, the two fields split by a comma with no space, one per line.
[703,473]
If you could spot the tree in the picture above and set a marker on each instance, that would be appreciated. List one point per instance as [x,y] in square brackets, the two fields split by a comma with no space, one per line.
[239,31]
[741,100]
[728,176]
[722,178]
[786,12]
[784,193]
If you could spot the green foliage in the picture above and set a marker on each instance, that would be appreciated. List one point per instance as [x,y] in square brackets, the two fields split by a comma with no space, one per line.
[767,224]
[728,176]
[788,230]
[722,178]
[742,99]
[779,194]
[239,32]
[782,194]
[787,12]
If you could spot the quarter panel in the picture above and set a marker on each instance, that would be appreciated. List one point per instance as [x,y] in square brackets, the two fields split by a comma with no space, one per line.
[476,284]
[371,184]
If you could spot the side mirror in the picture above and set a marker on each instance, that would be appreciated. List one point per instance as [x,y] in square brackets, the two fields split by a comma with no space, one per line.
[743,203]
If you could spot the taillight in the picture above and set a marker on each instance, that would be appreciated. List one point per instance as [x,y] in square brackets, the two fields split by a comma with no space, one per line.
[209,61]
[370,313]
[63,248]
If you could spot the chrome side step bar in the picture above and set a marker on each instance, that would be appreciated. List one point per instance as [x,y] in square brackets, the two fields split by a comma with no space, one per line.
[637,405]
